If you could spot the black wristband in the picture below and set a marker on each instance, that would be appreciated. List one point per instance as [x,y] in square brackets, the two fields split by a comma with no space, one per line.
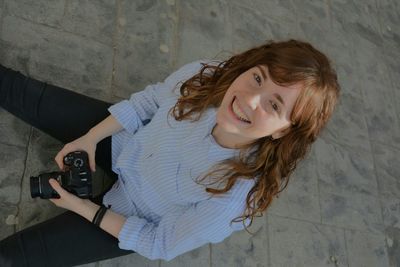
[99,214]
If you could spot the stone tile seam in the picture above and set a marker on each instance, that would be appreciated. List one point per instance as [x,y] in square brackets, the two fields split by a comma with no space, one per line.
[66,3]
[210,258]
[1,19]
[363,231]
[269,241]
[345,248]
[381,205]
[318,189]
[12,145]
[115,43]
[370,140]
[175,39]
[23,175]
[57,29]
[380,195]
[328,11]
[379,18]
[230,25]
[350,148]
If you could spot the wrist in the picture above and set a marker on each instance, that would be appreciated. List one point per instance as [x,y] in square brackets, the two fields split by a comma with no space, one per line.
[88,209]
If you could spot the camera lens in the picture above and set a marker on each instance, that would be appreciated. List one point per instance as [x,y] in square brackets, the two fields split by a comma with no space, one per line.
[40,186]
[35,186]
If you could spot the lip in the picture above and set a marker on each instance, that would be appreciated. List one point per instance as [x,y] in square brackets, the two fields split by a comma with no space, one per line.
[233,113]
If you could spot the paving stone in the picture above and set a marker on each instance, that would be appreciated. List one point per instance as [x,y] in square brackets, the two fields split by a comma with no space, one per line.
[363,15]
[358,25]
[252,30]
[337,44]
[345,169]
[94,264]
[1,10]
[366,249]
[380,112]
[355,211]
[12,166]
[387,169]
[298,243]
[60,58]
[391,211]
[281,11]
[313,20]
[203,30]
[39,11]
[91,18]
[129,260]
[13,131]
[299,200]
[242,249]
[389,15]
[8,219]
[145,38]
[199,257]
[347,125]
[390,59]
[14,57]
[393,245]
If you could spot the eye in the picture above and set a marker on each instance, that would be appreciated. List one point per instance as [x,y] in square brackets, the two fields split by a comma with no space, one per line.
[274,106]
[257,78]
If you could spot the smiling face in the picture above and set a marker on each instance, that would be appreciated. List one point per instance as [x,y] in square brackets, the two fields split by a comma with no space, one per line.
[254,107]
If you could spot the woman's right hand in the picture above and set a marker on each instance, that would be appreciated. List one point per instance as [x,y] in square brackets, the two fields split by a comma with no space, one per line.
[85,143]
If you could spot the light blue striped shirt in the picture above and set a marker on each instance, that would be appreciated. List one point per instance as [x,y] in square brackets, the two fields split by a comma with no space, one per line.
[157,161]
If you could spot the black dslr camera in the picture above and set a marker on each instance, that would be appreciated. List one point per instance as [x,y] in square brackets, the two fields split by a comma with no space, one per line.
[77,178]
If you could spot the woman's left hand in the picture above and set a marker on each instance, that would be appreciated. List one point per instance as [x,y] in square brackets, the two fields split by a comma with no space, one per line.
[67,200]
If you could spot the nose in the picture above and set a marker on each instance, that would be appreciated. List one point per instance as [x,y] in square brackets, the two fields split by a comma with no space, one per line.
[252,100]
[256,101]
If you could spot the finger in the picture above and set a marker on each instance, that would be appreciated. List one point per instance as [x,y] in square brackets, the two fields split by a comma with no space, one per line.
[59,159]
[56,186]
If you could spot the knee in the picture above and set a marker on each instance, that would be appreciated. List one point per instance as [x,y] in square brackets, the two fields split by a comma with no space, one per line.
[10,252]
[5,256]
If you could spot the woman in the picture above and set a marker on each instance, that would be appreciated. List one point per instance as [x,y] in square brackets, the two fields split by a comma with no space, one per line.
[190,167]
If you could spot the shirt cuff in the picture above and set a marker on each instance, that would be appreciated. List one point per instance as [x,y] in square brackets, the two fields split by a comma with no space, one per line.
[125,115]
[129,235]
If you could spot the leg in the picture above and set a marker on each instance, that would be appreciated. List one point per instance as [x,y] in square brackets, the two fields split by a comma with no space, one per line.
[65,240]
[62,114]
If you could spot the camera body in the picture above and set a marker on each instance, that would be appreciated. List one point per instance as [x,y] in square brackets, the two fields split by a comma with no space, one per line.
[76,179]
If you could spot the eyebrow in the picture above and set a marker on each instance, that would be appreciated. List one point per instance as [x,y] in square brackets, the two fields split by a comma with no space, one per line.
[279,99]
[278,96]
[262,72]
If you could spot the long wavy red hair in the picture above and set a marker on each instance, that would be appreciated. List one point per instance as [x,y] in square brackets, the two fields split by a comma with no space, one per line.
[269,161]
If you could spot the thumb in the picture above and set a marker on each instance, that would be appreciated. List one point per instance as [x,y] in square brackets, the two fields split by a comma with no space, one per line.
[92,162]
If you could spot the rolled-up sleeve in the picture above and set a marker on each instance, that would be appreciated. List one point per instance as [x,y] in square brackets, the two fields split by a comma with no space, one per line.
[181,230]
[140,108]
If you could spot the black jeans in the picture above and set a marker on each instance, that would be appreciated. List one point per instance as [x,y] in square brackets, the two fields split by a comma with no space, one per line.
[67,239]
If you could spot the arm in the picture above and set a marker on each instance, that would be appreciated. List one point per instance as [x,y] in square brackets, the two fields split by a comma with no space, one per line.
[111,223]
[105,128]
[180,230]
[135,112]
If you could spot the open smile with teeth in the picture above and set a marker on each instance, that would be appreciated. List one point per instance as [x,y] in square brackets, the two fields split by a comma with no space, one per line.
[239,114]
